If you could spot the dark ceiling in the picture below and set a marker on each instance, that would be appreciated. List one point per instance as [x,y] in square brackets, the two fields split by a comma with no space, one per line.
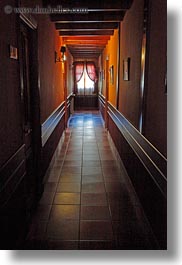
[86,34]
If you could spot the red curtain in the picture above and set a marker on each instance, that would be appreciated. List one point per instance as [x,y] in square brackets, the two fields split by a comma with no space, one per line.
[90,67]
[79,71]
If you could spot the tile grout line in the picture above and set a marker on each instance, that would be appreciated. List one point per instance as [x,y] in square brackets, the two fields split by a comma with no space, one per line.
[80,192]
[48,220]
[79,229]
[108,204]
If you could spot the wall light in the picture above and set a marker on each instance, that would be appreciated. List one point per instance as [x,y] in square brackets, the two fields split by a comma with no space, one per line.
[63,57]
[63,50]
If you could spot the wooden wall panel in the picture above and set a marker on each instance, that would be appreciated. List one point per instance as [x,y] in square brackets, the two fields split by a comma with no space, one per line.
[146,167]
[52,130]
[102,105]
[13,198]
[86,102]
[151,198]
[51,142]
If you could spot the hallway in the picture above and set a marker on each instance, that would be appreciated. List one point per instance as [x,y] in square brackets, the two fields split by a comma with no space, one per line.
[88,201]
[83,153]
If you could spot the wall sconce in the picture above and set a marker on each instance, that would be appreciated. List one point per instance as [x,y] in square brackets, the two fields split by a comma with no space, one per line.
[63,50]
[63,57]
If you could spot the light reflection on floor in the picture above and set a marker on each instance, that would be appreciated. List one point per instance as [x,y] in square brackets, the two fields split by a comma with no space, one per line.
[88,202]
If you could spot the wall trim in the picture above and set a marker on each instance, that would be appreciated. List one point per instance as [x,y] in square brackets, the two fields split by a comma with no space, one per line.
[52,130]
[142,140]
[102,99]
[151,158]
[29,20]
[135,198]
[69,99]
[146,167]
[52,121]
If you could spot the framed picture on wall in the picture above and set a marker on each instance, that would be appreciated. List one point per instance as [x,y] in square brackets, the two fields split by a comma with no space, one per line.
[13,52]
[165,84]
[103,74]
[100,76]
[111,70]
[126,69]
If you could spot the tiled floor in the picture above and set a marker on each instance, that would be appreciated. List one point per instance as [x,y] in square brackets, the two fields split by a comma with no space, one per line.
[88,202]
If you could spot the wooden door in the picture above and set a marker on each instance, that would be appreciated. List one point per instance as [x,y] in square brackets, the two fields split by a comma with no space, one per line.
[30,114]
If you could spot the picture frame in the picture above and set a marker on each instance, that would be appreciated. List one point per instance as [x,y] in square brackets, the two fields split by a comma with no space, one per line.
[126,69]
[13,52]
[165,83]
[111,70]
[103,74]
[100,76]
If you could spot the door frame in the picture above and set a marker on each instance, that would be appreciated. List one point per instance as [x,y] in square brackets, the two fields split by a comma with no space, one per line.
[30,23]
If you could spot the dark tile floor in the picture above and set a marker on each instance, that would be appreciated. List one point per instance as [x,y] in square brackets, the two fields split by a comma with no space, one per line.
[88,202]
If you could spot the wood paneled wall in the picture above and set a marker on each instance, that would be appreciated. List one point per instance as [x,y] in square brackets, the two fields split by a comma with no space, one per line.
[146,167]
